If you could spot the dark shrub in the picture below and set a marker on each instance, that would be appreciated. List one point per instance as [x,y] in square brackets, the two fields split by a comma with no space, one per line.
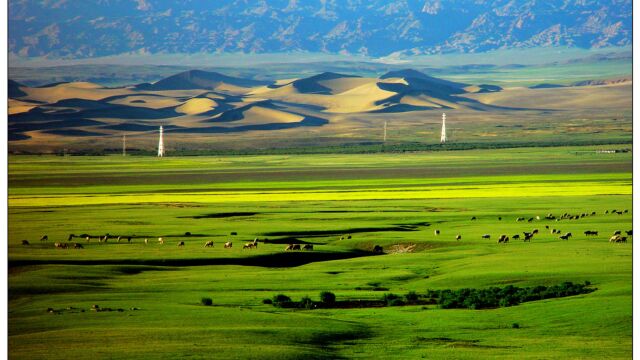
[187,234]
[411,297]
[389,297]
[515,326]
[281,300]
[267,301]
[327,297]
[395,302]
[206,301]
[307,303]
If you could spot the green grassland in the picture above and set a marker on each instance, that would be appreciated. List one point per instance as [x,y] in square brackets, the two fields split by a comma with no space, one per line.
[392,200]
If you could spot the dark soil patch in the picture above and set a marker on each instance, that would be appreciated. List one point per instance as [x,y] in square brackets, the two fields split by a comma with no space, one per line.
[458,343]
[278,260]
[219,215]
[315,233]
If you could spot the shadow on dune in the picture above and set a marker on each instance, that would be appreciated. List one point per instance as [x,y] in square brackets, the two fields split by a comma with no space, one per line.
[307,121]
[73,132]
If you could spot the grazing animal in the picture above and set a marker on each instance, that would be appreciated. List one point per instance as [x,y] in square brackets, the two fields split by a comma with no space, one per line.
[88,238]
[146,241]
[606,211]
[181,243]
[527,238]
[119,238]
[296,246]
[565,236]
[499,217]
[590,232]
[289,247]
[208,244]
[503,239]
[437,232]
[458,237]
[626,211]
[71,236]
[307,247]
[617,232]
[473,218]
[530,220]
[546,226]
[377,249]
[234,233]
[519,219]
[629,232]
[255,243]
[60,245]
[228,245]
[593,213]
[622,239]
[161,240]
[341,237]
[44,238]
[248,246]
[535,231]
[516,237]
[486,236]
[78,246]
[348,237]
[25,242]
[614,238]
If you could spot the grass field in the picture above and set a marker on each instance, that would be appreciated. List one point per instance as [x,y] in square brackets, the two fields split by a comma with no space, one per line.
[378,199]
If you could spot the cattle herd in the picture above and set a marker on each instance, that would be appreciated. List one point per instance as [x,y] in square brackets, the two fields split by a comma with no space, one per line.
[104,238]
[527,236]
[502,239]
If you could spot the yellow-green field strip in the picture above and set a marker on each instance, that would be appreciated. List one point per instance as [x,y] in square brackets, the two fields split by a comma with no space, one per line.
[527,189]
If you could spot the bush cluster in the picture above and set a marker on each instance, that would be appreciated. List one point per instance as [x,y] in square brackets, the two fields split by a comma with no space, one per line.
[467,298]
[206,301]
[502,297]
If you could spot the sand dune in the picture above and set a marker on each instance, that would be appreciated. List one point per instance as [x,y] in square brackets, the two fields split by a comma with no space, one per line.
[327,103]
[197,79]
[583,97]
[264,115]
[146,100]
[197,106]
[77,90]
[17,106]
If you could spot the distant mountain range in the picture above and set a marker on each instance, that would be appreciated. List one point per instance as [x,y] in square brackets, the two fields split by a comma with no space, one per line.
[91,28]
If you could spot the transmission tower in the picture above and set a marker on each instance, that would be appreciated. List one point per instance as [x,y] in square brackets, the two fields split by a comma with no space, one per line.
[161,144]
[443,135]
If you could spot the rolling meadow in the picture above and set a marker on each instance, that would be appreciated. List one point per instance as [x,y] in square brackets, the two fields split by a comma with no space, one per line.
[137,300]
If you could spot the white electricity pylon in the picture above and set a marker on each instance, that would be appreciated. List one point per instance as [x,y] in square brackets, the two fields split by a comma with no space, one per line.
[384,138]
[161,144]
[443,135]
